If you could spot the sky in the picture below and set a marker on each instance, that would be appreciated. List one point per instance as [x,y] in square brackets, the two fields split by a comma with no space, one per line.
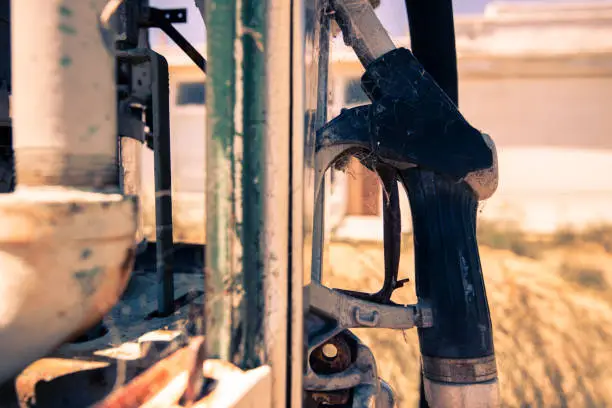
[392,14]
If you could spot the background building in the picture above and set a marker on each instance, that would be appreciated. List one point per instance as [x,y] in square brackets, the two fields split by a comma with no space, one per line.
[535,76]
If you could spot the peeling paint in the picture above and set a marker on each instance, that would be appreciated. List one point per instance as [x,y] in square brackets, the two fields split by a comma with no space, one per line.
[87,279]
[66,29]
[65,61]
[468,288]
[64,11]
[86,253]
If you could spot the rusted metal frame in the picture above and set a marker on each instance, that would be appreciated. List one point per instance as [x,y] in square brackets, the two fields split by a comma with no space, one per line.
[318,234]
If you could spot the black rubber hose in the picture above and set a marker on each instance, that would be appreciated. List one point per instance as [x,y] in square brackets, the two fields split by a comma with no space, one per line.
[432,41]
[432,37]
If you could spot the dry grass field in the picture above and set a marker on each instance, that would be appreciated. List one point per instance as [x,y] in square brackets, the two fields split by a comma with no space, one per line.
[551,305]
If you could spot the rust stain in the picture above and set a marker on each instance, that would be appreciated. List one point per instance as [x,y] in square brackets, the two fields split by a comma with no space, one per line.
[75,209]
[153,381]
[86,253]
[87,279]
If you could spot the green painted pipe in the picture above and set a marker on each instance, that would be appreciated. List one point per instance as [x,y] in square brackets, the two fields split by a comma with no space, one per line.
[223,281]
[235,172]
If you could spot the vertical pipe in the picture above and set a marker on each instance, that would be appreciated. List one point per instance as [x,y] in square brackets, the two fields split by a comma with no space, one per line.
[295,347]
[253,105]
[60,148]
[276,197]
[163,187]
[432,40]
[318,234]
[248,176]
[222,280]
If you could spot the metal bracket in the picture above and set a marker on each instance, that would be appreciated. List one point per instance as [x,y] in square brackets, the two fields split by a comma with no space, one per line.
[351,365]
[135,93]
[351,312]
[178,15]
[163,20]
[360,376]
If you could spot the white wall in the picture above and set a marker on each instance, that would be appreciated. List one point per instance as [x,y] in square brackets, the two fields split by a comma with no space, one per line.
[554,140]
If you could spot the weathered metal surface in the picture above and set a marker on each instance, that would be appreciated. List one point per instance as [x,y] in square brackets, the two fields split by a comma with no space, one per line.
[148,74]
[80,374]
[66,252]
[175,375]
[484,182]
[338,364]
[253,102]
[248,176]
[130,167]
[66,257]
[361,29]
[296,238]
[164,383]
[359,375]
[460,371]
[73,140]
[351,312]
[320,117]
[275,191]
[481,395]
[159,115]
[224,284]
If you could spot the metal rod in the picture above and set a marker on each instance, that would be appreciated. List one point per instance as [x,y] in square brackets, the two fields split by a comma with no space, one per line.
[361,29]
[160,22]
[223,248]
[318,234]
[164,248]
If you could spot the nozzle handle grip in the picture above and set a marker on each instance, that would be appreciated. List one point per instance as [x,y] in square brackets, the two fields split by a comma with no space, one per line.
[449,278]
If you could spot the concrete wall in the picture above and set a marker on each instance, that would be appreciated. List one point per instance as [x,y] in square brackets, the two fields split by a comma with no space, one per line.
[532,112]
[555,147]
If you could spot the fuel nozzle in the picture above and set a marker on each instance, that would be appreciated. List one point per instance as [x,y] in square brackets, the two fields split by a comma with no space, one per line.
[446,166]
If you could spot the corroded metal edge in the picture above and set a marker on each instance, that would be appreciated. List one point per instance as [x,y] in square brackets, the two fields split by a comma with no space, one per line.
[460,371]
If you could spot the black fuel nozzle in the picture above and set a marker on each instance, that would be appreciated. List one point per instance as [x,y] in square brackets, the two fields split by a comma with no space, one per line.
[410,123]
[446,166]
